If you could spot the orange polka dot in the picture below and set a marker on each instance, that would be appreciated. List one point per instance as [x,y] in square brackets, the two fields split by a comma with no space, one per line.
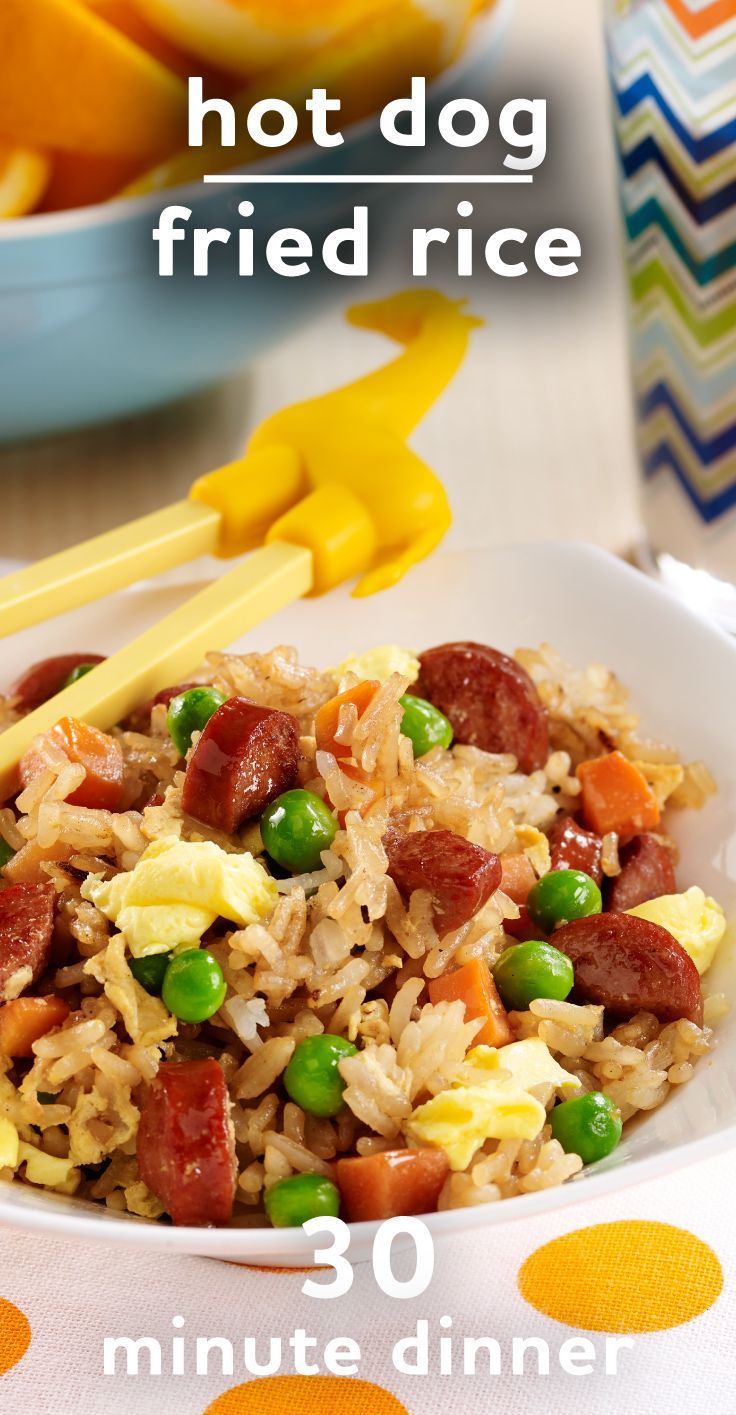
[629,1276]
[264,1268]
[15,1335]
[307,1395]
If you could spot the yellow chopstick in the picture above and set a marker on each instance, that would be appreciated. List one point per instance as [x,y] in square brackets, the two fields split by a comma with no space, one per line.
[106,563]
[260,585]
[346,448]
[227,512]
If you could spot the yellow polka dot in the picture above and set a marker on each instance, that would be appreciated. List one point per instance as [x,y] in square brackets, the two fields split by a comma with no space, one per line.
[630,1276]
[15,1335]
[307,1395]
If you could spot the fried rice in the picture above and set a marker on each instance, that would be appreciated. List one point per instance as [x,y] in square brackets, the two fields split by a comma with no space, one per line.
[342,952]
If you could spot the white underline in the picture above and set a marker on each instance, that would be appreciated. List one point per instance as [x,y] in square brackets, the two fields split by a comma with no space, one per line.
[355,179]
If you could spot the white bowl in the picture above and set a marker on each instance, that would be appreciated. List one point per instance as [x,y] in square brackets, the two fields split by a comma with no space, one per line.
[593,608]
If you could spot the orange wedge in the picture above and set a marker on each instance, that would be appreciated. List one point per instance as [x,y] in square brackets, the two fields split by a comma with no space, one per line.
[124,16]
[248,36]
[68,80]
[80,179]
[365,68]
[23,177]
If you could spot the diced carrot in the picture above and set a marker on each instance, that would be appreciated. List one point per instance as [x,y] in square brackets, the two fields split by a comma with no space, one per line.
[473,985]
[326,724]
[518,877]
[100,755]
[26,865]
[616,796]
[26,1019]
[389,1184]
[327,721]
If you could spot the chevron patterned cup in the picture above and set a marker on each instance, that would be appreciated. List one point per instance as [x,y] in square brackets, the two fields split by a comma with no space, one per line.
[673,75]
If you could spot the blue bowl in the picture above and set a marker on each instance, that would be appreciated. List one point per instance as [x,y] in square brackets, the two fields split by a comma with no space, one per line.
[88,332]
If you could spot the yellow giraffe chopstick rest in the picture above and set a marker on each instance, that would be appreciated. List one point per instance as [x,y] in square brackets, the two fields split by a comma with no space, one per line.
[354,441]
[333,474]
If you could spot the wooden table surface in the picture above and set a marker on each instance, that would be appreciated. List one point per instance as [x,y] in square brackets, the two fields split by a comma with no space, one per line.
[533,440]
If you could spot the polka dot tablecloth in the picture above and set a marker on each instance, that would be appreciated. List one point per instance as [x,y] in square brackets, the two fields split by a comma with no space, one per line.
[642,1281]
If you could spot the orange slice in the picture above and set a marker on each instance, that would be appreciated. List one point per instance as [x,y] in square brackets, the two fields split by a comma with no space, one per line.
[364,68]
[83,179]
[248,36]
[124,16]
[23,178]
[68,80]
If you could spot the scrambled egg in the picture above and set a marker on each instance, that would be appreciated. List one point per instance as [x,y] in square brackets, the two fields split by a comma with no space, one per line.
[460,1120]
[177,890]
[530,1063]
[9,1144]
[493,1106]
[380,663]
[48,1170]
[697,922]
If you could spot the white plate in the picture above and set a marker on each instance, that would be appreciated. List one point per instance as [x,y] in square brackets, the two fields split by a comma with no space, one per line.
[592,608]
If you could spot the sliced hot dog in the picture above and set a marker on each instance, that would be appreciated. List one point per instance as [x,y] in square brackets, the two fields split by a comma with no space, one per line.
[631,965]
[573,848]
[246,756]
[490,700]
[460,876]
[26,936]
[186,1144]
[99,754]
[139,720]
[523,929]
[391,1184]
[44,679]
[646,873]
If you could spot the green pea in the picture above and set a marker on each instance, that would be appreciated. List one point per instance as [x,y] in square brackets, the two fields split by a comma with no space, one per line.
[189,713]
[150,971]
[296,828]
[563,895]
[424,725]
[589,1126]
[6,854]
[46,1097]
[312,1078]
[291,1202]
[81,671]
[530,970]
[193,987]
